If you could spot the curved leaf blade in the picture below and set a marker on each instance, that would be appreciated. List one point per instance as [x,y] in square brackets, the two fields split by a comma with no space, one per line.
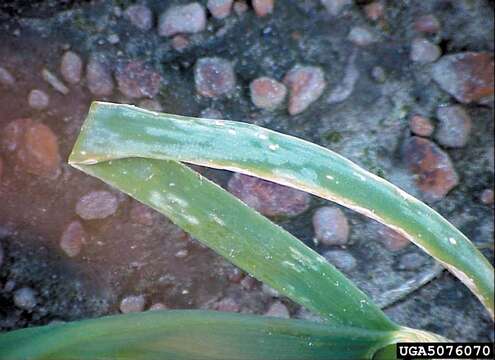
[191,335]
[119,131]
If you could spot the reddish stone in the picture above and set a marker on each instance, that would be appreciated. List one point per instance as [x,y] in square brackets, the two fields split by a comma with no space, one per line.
[190,18]
[421,126]
[427,24]
[227,304]
[35,146]
[220,8]
[487,197]
[434,173]
[141,214]
[240,7]
[97,205]
[214,77]
[73,238]
[392,240]
[267,93]
[374,11]
[180,42]
[136,80]
[268,198]
[263,7]
[306,84]
[469,76]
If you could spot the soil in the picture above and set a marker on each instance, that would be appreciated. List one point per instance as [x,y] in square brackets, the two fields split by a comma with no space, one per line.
[124,257]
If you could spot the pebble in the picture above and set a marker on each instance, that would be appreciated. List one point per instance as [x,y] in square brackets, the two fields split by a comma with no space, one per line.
[378,74]
[455,126]
[140,16]
[263,7]
[391,239]
[97,205]
[434,173]
[136,80]
[6,78]
[424,51]
[346,86]
[411,261]
[270,291]
[361,36]
[468,76]
[71,67]
[306,84]
[427,24]
[157,306]
[73,238]
[267,93]
[220,9]
[341,259]
[227,305]
[35,145]
[335,7]
[210,113]
[190,18]
[278,310]
[99,79]
[214,77]
[113,39]
[374,11]
[132,304]
[54,81]
[331,226]
[240,7]
[38,99]
[420,125]
[249,282]
[268,198]
[152,105]
[180,42]
[25,298]
[487,197]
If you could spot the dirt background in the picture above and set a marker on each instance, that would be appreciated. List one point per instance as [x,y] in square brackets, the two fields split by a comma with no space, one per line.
[123,257]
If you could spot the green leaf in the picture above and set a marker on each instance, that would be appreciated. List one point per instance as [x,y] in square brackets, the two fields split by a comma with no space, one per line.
[191,335]
[119,131]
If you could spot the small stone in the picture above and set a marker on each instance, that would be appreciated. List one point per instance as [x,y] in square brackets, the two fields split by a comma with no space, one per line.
[335,7]
[73,238]
[341,259]
[190,18]
[267,93]
[331,226]
[214,77]
[220,9]
[151,105]
[361,36]
[140,16]
[411,261]
[227,305]
[132,304]
[270,291]
[391,240]
[378,74]
[181,254]
[210,113]
[71,67]
[346,87]
[268,198]
[374,11]
[54,81]
[427,24]
[157,306]
[249,282]
[98,77]
[38,99]
[240,7]
[487,197]
[97,205]
[136,80]
[6,78]
[306,84]
[25,298]
[468,76]
[455,126]
[423,51]
[278,310]
[434,173]
[35,145]
[180,42]
[113,39]
[421,126]
[263,7]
